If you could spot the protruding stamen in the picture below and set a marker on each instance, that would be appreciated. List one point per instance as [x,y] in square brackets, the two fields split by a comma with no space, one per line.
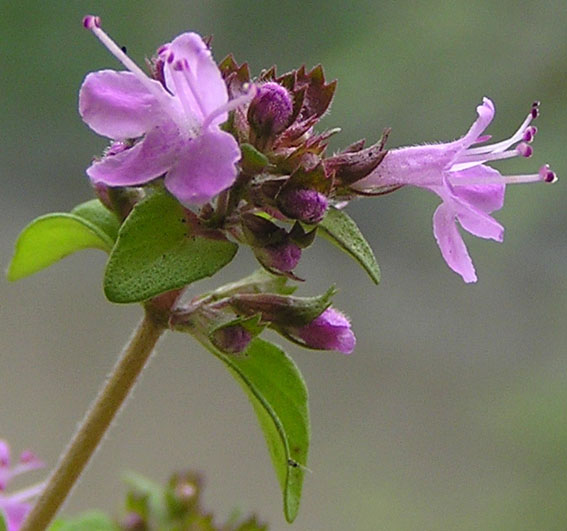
[468,160]
[516,137]
[547,175]
[544,175]
[91,21]
[525,150]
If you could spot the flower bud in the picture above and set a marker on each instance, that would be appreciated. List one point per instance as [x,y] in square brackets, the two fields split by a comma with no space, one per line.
[329,331]
[283,256]
[303,204]
[231,339]
[134,522]
[270,110]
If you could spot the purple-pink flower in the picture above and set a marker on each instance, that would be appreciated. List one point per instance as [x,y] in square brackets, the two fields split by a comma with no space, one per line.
[15,507]
[168,127]
[329,331]
[457,173]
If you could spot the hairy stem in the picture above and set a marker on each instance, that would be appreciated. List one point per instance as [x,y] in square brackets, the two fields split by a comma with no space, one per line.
[95,423]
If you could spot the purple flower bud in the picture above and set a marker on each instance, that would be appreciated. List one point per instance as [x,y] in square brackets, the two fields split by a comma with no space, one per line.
[283,256]
[330,331]
[271,109]
[303,204]
[134,522]
[231,339]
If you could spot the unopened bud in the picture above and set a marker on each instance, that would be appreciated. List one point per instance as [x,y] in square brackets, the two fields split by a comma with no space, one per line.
[231,339]
[283,256]
[270,110]
[133,522]
[303,204]
[329,331]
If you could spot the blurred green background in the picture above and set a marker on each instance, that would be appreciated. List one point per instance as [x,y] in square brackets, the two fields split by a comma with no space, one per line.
[452,412]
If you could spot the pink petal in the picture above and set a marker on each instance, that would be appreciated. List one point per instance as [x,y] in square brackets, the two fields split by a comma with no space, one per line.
[14,512]
[208,84]
[205,167]
[117,105]
[451,243]
[485,115]
[4,454]
[477,222]
[146,160]
[485,197]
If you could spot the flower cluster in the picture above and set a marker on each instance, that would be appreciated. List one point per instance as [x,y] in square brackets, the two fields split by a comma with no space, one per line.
[14,507]
[243,157]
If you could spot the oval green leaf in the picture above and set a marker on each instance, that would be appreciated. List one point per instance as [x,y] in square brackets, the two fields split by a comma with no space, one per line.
[95,212]
[159,250]
[50,238]
[339,228]
[278,394]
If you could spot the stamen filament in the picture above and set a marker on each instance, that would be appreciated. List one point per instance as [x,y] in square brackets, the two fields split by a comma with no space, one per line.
[501,179]
[231,105]
[180,93]
[188,74]
[481,158]
[114,49]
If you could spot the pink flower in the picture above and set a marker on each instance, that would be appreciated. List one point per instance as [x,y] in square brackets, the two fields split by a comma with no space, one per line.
[174,123]
[457,173]
[329,331]
[15,507]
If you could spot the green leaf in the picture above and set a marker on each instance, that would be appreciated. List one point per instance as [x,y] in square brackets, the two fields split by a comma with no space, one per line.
[50,238]
[339,228]
[95,212]
[3,526]
[278,394]
[89,521]
[253,160]
[159,249]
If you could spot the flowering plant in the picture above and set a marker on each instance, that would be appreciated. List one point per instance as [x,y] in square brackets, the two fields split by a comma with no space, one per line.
[204,158]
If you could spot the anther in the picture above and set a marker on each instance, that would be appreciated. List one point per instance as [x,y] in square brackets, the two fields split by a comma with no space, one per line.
[546,174]
[91,21]
[525,150]
[530,133]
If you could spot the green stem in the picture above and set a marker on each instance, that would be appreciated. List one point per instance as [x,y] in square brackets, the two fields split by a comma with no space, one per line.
[95,424]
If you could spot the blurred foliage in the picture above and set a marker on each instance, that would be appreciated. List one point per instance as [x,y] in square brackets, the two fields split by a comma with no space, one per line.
[149,507]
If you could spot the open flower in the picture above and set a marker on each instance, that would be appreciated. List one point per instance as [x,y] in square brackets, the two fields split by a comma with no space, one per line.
[457,173]
[166,128]
[15,507]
